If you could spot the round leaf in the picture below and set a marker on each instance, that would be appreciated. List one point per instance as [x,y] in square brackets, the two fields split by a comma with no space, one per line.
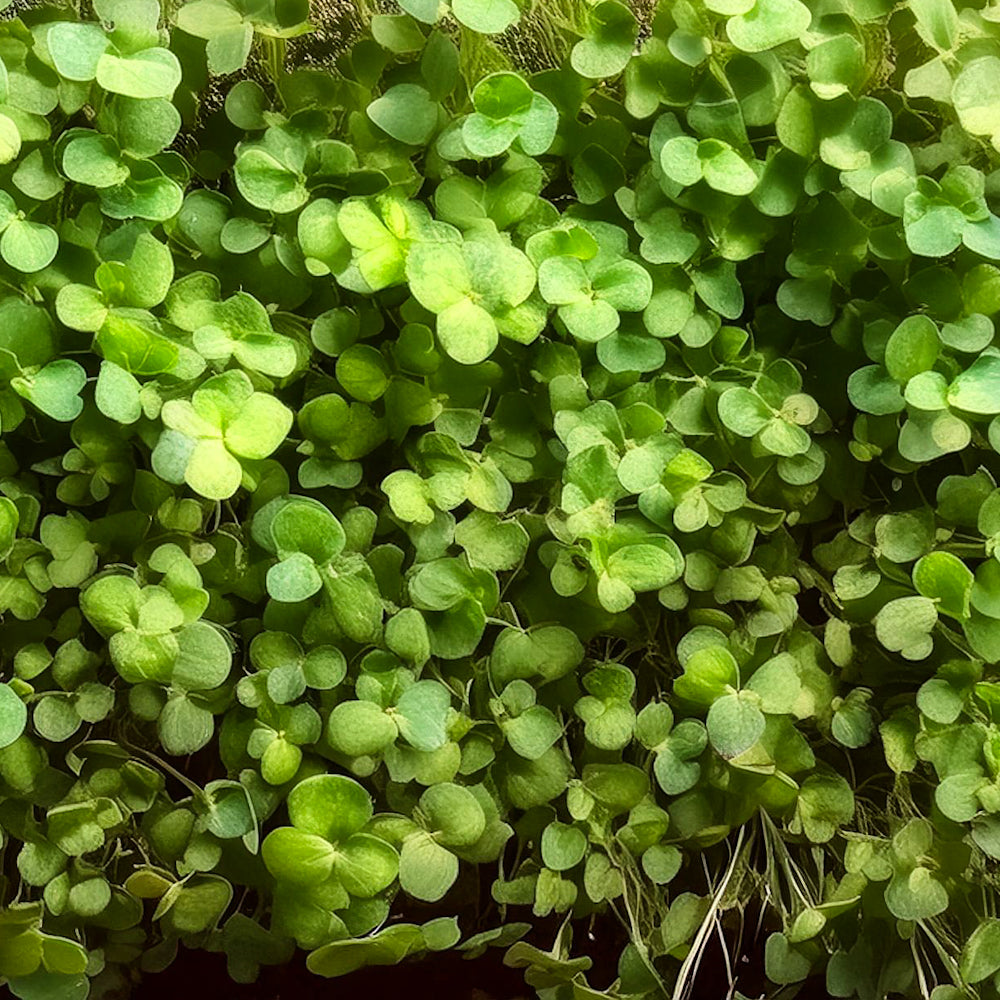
[13,715]
[488,17]
[426,869]
[734,725]
[28,246]
[330,806]
[406,112]
[359,728]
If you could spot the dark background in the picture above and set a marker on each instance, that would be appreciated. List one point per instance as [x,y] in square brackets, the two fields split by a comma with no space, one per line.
[447,976]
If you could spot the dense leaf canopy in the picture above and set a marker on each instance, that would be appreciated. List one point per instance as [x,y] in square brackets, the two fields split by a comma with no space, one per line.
[417,464]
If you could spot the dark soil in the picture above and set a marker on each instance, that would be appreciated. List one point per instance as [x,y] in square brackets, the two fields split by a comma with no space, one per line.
[447,976]
[197,975]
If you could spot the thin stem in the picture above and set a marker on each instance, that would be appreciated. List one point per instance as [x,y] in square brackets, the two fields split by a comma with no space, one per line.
[725,952]
[195,790]
[693,959]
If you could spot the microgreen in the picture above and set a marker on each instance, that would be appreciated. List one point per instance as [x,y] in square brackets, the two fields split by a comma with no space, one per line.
[554,443]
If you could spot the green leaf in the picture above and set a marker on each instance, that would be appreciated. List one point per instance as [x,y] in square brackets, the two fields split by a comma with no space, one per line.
[563,280]
[980,957]
[36,177]
[240,235]
[777,683]
[150,73]
[912,348]
[563,846]
[927,391]
[976,95]
[665,239]
[439,275]
[607,47]
[406,112]
[303,526]
[241,327]
[944,578]
[426,869]
[398,33]
[427,11]
[488,17]
[268,184]
[533,732]
[767,24]
[422,713]
[743,411]
[676,766]
[724,169]
[905,536]
[206,18]
[485,138]
[468,333]
[453,814]
[63,956]
[294,579]
[55,389]
[734,725]
[10,140]
[45,985]
[546,651]
[825,802]
[28,246]
[647,566]
[937,23]
[298,858]
[983,237]
[538,130]
[184,727]
[834,65]
[653,724]
[203,658]
[13,716]
[957,795]
[933,228]
[661,862]
[618,787]
[625,285]
[211,471]
[117,394]
[904,626]
[916,895]
[939,700]
[359,728]
[781,437]
[76,49]
[337,958]
[783,962]
[852,724]
[708,672]
[502,95]
[320,236]
[330,806]
[872,390]
[363,372]
[976,389]
[94,160]
[9,519]
[439,65]
[145,127]
[492,543]
[111,603]
[680,161]
[366,865]
[970,334]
